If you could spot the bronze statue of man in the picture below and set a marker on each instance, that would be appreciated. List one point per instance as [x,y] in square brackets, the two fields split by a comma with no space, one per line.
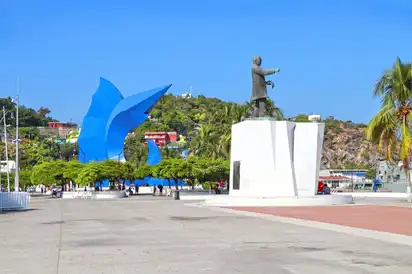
[259,91]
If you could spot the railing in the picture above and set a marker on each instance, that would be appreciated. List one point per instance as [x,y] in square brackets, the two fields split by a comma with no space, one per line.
[14,200]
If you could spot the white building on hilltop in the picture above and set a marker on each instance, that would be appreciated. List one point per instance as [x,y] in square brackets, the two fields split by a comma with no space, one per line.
[314,117]
[186,95]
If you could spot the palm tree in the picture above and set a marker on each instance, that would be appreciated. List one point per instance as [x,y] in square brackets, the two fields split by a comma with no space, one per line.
[205,144]
[225,144]
[390,127]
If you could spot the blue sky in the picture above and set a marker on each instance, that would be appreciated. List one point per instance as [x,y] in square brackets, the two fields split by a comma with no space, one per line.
[330,52]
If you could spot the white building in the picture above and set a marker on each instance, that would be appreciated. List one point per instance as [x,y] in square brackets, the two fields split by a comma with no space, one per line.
[344,178]
[392,173]
[186,95]
[3,166]
[314,117]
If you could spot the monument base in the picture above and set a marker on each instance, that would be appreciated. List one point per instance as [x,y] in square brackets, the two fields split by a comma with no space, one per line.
[275,158]
[94,195]
[315,200]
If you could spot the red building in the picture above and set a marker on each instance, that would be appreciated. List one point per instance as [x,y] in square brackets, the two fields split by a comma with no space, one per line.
[161,138]
[61,125]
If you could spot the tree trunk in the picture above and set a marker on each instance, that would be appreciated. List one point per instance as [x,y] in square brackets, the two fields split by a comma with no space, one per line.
[176,184]
[408,179]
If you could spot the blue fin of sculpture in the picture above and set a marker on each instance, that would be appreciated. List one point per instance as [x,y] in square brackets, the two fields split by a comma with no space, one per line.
[110,118]
[127,115]
[154,156]
[92,141]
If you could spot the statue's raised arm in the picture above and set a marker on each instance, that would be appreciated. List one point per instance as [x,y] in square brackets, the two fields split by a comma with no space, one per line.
[259,90]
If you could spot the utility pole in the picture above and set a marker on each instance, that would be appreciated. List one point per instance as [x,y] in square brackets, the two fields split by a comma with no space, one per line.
[17,179]
[7,152]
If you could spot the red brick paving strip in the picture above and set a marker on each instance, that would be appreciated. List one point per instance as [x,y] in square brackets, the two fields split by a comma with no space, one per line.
[381,218]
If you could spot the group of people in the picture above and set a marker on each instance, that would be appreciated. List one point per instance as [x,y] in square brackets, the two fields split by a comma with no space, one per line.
[323,189]
[134,190]
[219,186]
[160,187]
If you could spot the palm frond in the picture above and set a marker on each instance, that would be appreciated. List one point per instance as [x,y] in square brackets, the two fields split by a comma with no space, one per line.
[381,124]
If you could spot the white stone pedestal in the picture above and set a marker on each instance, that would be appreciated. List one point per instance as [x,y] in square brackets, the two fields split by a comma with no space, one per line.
[276,160]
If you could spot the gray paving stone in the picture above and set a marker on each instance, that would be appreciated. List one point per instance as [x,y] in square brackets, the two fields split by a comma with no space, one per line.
[146,235]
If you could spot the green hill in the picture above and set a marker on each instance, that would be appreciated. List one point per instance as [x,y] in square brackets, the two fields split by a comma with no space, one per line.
[206,125]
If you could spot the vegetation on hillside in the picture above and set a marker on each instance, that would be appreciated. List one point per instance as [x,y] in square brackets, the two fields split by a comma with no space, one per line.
[28,117]
[205,122]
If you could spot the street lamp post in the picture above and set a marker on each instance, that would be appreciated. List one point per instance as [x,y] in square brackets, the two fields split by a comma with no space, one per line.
[16,181]
[7,152]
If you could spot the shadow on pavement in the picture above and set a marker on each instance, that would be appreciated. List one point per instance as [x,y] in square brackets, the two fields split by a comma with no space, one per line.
[17,211]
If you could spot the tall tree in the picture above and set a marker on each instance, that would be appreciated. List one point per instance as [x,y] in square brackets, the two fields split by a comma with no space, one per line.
[109,170]
[72,170]
[128,172]
[135,150]
[163,170]
[90,174]
[143,171]
[390,127]
[206,142]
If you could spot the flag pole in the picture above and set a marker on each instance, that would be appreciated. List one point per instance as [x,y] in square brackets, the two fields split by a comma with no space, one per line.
[17,179]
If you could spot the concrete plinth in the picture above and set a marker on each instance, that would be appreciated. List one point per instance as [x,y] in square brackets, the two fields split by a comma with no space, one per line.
[276,163]
[315,200]
[275,158]
[94,195]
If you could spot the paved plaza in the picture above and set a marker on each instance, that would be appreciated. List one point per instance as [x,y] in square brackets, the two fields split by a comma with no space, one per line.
[389,218]
[159,235]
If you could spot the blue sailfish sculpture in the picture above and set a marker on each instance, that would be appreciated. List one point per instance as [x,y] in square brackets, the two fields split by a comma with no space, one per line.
[110,118]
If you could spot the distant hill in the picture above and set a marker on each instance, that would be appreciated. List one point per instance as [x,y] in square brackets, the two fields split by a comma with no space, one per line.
[346,147]
[28,117]
[344,144]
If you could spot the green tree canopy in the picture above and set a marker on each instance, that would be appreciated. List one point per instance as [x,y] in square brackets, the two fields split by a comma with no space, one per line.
[390,127]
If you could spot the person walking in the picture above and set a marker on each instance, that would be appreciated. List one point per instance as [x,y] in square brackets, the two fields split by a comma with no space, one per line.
[217,189]
[326,190]
[160,190]
[154,190]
